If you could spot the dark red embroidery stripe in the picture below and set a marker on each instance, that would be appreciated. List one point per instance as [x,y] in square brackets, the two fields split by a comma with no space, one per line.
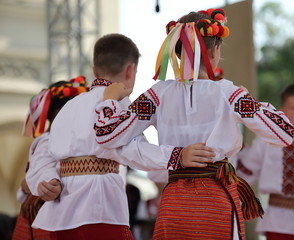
[154,96]
[108,140]
[272,129]
[235,94]
[114,106]
[175,158]
[100,82]
[289,129]
[101,121]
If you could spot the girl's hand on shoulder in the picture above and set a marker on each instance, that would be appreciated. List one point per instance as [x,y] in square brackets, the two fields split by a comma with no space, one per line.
[244,88]
[117,91]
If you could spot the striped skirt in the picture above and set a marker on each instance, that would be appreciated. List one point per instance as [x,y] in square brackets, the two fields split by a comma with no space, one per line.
[28,212]
[24,231]
[198,209]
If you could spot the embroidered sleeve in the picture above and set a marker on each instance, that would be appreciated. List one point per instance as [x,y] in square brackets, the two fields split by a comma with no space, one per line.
[142,155]
[115,126]
[263,119]
[42,166]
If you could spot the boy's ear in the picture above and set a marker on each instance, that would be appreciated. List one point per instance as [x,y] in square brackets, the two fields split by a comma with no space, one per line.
[130,71]
[213,51]
[94,72]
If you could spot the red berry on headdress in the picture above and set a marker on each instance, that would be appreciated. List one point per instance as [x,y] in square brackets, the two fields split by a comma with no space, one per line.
[219,17]
[210,11]
[220,10]
[215,29]
[66,92]
[79,79]
[220,31]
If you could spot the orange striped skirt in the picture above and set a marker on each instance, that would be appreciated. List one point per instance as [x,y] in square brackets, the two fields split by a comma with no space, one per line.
[197,208]
[24,231]
[28,212]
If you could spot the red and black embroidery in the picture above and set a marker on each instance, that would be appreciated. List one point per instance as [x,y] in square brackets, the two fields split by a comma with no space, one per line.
[175,158]
[107,112]
[247,106]
[288,128]
[242,168]
[143,107]
[108,129]
[100,82]
[288,170]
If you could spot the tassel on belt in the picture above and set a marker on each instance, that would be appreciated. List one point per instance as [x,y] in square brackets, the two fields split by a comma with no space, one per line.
[84,165]
[225,175]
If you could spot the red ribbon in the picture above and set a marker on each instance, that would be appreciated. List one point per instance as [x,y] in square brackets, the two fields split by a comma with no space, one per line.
[204,55]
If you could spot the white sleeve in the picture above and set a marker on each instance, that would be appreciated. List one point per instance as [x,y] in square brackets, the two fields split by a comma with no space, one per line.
[250,163]
[42,165]
[21,196]
[269,124]
[142,155]
[115,125]
[158,176]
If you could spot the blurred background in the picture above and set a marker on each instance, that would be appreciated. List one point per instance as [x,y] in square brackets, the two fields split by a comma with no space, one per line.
[43,41]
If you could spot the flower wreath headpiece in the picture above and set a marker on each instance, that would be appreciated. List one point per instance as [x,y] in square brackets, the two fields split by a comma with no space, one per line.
[191,35]
[35,122]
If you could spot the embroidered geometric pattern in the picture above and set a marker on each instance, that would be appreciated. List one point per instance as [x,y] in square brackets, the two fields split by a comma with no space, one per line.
[242,168]
[280,122]
[175,158]
[270,127]
[84,165]
[108,129]
[108,113]
[143,107]
[246,106]
[100,82]
[288,170]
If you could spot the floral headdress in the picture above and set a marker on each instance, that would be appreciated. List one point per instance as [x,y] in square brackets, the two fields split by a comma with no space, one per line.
[191,36]
[35,122]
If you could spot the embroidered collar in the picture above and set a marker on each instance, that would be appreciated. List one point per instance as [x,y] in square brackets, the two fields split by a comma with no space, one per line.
[100,82]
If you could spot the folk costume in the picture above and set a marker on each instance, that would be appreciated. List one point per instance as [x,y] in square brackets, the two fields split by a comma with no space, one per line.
[273,168]
[93,199]
[204,202]
[41,106]
[30,206]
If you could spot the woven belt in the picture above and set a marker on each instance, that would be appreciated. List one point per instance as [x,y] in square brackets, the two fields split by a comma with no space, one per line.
[85,165]
[281,201]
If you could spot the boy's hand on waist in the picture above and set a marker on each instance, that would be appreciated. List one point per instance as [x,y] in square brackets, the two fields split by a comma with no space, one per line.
[49,191]
[197,155]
